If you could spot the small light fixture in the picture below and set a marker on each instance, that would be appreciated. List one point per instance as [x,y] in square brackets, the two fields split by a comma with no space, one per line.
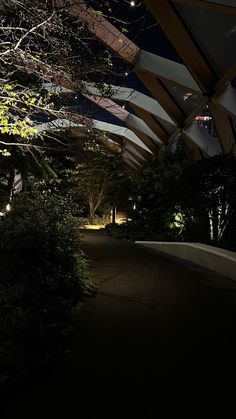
[126,74]
[132,3]
[123,106]
[8,207]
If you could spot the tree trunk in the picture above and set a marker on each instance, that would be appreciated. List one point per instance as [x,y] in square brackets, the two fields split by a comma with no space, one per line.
[91,212]
[10,183]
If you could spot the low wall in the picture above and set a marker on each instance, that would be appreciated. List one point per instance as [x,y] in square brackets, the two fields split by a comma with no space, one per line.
[218,260]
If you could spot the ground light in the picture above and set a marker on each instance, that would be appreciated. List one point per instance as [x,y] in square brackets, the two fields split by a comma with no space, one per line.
[94,226]
[8,207]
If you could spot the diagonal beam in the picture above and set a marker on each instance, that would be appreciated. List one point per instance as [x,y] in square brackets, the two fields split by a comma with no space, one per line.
[145,140]
[223,126]
[226,98]
[141,129]
[179,36]
[130,167]
[131,120]
[123,132]
[140,103]
[227,76]
[135,155]
[162,96]
[127,154]
[165,69]
[202,139]
[151,122]
[46,72]
[140,150]
[115,40]
[100,27]
[132,96]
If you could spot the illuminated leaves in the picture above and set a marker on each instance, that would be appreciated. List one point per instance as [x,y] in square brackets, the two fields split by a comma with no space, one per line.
[17,105]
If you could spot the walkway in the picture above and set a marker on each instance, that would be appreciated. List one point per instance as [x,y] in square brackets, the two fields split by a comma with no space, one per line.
[159,335]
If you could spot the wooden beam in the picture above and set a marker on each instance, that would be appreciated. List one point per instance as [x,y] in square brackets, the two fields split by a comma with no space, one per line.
[146,140]
[180,37]
[100,27]
[159,92]
[141,151]
[223,127]
[151,122]
[135,156]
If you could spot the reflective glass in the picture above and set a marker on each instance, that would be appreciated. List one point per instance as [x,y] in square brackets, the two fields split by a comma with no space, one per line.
[215,32]
[185,98]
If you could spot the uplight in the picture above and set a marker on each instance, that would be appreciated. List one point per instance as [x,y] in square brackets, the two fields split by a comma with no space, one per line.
[8,207]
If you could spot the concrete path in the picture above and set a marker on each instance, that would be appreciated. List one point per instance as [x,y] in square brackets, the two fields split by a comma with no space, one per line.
[156,341]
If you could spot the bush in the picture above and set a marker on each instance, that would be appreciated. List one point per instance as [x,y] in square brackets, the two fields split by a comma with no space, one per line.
[127,230]
[136,231]
[43,274]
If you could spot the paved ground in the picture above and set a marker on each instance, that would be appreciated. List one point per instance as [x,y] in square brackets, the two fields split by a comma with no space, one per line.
[157,341]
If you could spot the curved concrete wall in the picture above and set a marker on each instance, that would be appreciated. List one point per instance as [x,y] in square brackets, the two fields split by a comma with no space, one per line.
[218,260]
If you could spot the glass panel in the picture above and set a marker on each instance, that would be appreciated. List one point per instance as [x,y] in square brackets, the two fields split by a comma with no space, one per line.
[215,32]
[186,99]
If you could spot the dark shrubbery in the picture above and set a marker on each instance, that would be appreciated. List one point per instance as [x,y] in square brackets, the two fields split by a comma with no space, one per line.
[180,199]
[135,231]
[43,274]
[127,230]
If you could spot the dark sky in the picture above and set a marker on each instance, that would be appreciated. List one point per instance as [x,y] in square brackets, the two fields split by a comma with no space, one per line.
[143,29]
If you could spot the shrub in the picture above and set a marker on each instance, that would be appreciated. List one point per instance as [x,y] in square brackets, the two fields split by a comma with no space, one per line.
[43,273]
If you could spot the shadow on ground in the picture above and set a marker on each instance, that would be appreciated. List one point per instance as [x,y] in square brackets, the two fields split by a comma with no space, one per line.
[156,341]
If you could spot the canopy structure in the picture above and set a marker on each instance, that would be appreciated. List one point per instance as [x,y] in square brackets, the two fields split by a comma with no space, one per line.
[202,82]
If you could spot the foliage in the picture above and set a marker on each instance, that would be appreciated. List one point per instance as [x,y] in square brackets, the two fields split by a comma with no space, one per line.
[127,230]
[40,41]
[43,273]
[156,195]
[181,199]
[11,99]
[211,199]
[94,179]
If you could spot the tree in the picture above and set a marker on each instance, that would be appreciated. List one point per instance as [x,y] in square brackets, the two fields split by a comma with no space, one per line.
[41,41]
[182,199]
[157,194]
[94,179]
[211,185]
